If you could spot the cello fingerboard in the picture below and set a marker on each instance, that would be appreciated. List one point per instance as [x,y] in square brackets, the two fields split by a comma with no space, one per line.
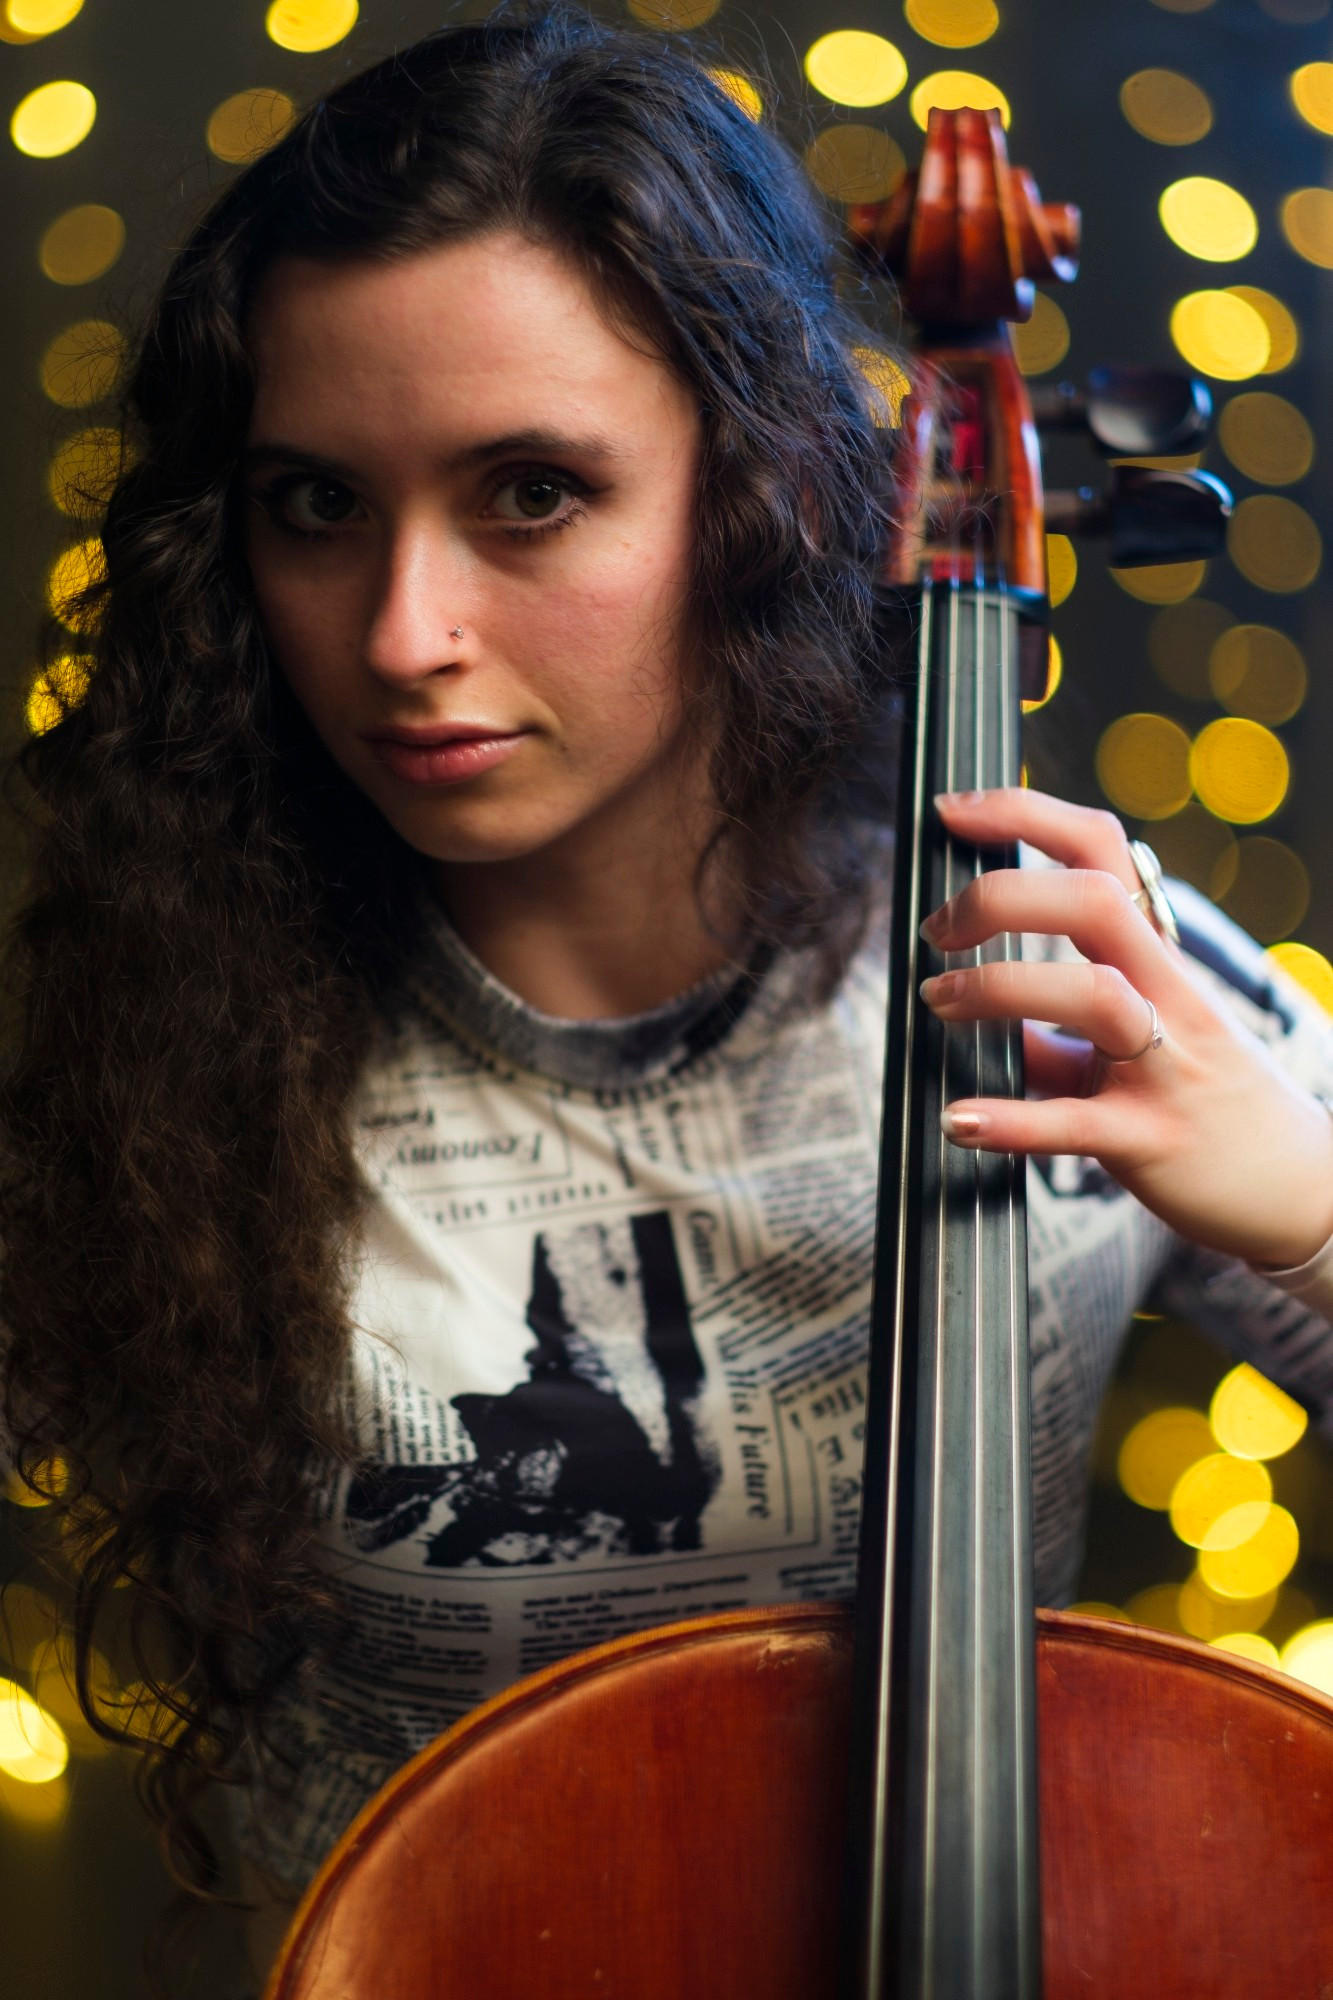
[942,1899]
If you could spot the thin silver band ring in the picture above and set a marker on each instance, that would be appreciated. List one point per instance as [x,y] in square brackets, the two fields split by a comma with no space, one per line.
[1154,1039]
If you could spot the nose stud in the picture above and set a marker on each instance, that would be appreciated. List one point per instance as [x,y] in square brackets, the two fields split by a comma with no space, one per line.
[457,632]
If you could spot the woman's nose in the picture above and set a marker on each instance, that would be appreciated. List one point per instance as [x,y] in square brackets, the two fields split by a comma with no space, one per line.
[421,597]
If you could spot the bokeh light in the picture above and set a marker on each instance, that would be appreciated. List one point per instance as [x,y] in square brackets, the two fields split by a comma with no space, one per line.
[1308,968]
[1269,890]
[1209,1499]
[1181,638]
[1198,848]
[741,91]
[1252,1418]
[1158,1450]
[1239,769]
[1041,342]
[1158,1606]
[1221,334]
[1311,89]
[1163,105]
[1162,583]
[957,90]
[1307,223]
[852,67]
[82,244]
[74,570]
[953,24]
[84,363]
[1061,567]
[855,163]
[1264,1558]
[1206,1616]
[1284,338]
[1055,673]
[247,124]
[1250,1646]
[53,119]
[1266,437]
[1274,543]
[59,688]
[1143,765]
[1208,219]
[28,1621]
[84,470]
[887,381]
[30,20]
[1308,1655]
[306,26]
[33,1748]
[1258,671]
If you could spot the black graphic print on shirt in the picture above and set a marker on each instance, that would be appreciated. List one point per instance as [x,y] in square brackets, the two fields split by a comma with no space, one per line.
[601,1449]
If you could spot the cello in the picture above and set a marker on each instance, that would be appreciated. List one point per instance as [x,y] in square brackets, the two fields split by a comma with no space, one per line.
[950,1796]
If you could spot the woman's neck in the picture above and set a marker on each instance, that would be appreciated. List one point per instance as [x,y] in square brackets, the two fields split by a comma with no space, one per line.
[598,925]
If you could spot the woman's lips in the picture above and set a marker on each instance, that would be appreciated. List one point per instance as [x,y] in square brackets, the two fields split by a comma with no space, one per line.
[445,763]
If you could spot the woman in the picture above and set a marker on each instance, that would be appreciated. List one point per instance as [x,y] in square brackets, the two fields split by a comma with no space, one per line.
[470,1148]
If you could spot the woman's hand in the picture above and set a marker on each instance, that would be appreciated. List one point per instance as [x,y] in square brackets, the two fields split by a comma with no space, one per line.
[1207,1129]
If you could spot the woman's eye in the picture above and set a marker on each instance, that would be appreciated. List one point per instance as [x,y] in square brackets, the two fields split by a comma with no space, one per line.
[533,498]
[316,504]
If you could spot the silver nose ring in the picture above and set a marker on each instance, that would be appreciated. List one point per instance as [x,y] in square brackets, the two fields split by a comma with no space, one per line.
[457,632]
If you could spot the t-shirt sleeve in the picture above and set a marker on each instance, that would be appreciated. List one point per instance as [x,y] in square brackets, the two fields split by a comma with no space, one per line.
[1281,1322]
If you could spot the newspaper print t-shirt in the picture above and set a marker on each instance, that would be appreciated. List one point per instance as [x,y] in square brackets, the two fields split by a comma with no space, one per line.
[610,1342]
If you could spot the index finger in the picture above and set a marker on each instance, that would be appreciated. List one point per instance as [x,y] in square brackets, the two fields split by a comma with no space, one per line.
[1079,836]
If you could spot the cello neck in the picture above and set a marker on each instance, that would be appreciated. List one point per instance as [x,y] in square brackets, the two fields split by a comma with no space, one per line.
[943,1900]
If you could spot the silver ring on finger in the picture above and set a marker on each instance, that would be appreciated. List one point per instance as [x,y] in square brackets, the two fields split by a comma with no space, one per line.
[1151,897]
[1153,1040]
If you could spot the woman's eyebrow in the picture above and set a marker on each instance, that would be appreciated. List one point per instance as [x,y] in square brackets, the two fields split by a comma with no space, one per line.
[546,443]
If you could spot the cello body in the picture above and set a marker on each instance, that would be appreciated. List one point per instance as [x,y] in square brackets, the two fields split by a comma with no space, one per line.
[664,1817]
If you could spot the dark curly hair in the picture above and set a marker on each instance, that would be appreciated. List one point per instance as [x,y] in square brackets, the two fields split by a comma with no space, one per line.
[214,923]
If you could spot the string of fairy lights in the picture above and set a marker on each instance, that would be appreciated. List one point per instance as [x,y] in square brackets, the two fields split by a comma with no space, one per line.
[1202,788]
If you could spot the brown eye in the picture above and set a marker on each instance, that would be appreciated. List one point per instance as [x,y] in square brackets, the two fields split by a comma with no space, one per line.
[318,503]
[532,496]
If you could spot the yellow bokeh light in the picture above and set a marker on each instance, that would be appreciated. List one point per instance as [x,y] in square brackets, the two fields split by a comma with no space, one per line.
[1096,1607]
[740,90]
[247,124]
[1061,567]
[1165,106]
[30,20]
[1258,671]
[28,1621]
[32,1746]
[1208,219]
[1284,337]
[1221,334]
[84,363]
[1252,1418]
[1162,583]
[1308,968]
[855,163]
[63,686]
[680,15]
[1274,543]
[953,24]
[1311,89]
[1248,1646]
[1308,1655]
[1264,1559]
[1198,848]
[1268,893]
[306,26]
[84,470]
[957,90]
[74,570]
[1159,1450]
[53,119]
[1211,1492]
[1205,1616]
[82,244]
[1239,769]
[1266,437]
[852,67]
[1143,765]
[55,1684]
[1041,342]
[888,383]
[1158,1606]
[1307,224]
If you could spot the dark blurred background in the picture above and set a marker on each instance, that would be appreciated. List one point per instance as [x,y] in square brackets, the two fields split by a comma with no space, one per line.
[1194,135]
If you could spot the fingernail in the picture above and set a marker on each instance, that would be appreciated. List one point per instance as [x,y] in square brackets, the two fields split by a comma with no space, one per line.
[959,798]
[963,1124]
[937,923]
[943,987]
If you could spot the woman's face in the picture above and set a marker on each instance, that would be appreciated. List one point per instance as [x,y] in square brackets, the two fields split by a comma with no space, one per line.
[460,438]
